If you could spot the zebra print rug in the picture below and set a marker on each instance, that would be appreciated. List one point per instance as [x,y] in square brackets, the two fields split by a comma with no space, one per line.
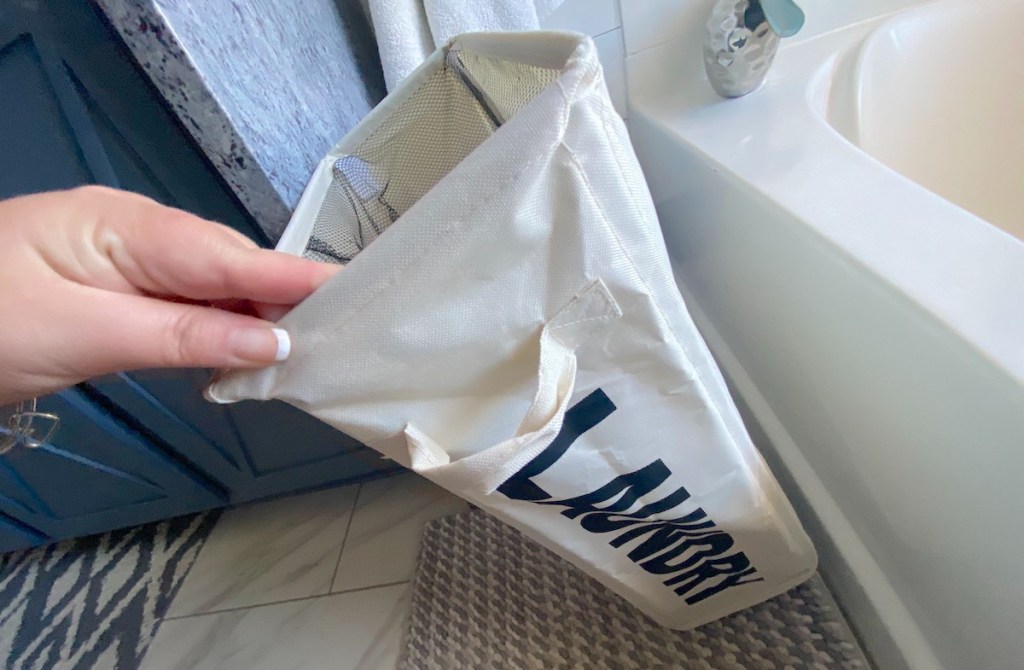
[94,602]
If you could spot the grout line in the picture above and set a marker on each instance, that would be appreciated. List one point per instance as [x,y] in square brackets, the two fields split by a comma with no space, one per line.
[243,608]
[240,608]
[647,47]
[374,586]
[344,540]
[610,30]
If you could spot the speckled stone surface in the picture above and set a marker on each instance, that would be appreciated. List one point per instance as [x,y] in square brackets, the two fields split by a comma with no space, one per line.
[265,87]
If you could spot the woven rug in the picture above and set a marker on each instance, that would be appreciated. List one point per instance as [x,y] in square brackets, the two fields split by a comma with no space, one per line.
[94,602]
[485,596]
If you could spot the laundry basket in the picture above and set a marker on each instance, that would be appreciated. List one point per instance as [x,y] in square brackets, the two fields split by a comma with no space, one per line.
[507,325]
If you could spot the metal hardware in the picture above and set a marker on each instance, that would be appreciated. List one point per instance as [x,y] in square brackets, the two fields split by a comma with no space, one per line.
[24,425]
[741,41]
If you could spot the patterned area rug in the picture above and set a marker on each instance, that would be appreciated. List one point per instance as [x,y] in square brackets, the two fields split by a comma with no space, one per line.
[485,596]
[94,602]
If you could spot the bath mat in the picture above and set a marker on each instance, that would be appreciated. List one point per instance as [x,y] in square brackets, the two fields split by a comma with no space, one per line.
[485,596]
[94,602]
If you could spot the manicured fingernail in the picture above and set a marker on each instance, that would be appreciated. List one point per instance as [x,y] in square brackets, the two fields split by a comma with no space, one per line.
[284,344]
[261,345]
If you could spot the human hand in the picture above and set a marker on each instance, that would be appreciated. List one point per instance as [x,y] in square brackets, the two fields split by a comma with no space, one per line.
[94,281]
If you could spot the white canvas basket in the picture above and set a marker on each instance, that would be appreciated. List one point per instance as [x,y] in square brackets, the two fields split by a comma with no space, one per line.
[508,327]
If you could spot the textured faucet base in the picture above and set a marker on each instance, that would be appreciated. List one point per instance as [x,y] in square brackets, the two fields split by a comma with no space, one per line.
[737,57]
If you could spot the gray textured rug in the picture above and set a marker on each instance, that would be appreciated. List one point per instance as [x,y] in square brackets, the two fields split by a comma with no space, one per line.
[94,602]
[485,596]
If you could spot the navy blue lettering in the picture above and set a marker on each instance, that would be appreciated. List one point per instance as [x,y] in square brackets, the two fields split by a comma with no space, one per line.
[691,547]
[695,523]
[580,418]
[717,544]
[632,486]
[732,569]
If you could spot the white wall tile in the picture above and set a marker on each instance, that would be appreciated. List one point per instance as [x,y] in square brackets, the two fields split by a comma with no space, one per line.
[592,17]
[825,15]
[649,22]
[610,53]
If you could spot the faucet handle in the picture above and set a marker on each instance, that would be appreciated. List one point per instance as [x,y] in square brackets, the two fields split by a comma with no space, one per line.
[783,16]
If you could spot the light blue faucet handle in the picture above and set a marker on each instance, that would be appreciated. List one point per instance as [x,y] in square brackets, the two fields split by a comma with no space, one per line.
[783,16]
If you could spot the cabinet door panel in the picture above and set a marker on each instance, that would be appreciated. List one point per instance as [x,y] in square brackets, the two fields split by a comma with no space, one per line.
[35,135]
[96,474]
[16,535]
[253,448]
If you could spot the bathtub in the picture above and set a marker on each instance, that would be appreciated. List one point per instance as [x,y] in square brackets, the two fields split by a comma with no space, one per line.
[848,239]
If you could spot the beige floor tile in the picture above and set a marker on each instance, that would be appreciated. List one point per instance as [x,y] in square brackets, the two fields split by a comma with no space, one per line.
[358,630]
[268,552]
[386,529]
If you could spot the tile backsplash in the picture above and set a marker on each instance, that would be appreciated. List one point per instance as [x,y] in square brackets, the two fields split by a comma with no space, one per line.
[593,17]
[650,22]
[680,25]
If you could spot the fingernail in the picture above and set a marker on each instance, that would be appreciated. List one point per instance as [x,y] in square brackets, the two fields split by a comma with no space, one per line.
[261,345]
[284,344]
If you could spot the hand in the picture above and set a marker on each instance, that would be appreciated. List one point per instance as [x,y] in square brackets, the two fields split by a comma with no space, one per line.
[94,281]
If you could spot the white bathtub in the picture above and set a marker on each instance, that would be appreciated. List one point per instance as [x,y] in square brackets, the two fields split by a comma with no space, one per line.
[872,329]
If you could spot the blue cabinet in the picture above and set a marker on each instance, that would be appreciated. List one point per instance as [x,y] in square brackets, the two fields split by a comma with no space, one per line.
[95,474]
[144,445]
[254,449]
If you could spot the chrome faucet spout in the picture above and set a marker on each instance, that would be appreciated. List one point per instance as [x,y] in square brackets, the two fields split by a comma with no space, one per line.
[741,41]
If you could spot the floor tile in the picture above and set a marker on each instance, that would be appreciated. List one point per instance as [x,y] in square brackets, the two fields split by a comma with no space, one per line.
[267,552]
[359,630]
[386,528]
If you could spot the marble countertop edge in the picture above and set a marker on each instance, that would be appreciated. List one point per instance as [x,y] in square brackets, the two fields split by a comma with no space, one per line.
[161,55]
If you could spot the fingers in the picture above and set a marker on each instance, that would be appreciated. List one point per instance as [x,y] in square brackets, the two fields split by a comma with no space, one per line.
[82,272]
[131,332]
[138,245]
[264,310]
[185,256]
[263,276]
[271,312]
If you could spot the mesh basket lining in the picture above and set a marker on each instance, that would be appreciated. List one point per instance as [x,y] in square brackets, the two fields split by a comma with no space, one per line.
[451,113]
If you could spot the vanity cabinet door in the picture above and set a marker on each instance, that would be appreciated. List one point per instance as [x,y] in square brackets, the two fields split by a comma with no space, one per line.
[254,449]
[94,474]
[16,535]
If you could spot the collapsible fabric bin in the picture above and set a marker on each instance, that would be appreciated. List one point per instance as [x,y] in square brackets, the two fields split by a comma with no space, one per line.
[508,327]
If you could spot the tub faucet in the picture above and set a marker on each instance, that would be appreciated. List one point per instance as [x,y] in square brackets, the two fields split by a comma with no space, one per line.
[741,41]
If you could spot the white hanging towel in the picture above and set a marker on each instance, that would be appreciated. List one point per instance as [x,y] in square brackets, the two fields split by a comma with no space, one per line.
[508,327]
[408,31]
